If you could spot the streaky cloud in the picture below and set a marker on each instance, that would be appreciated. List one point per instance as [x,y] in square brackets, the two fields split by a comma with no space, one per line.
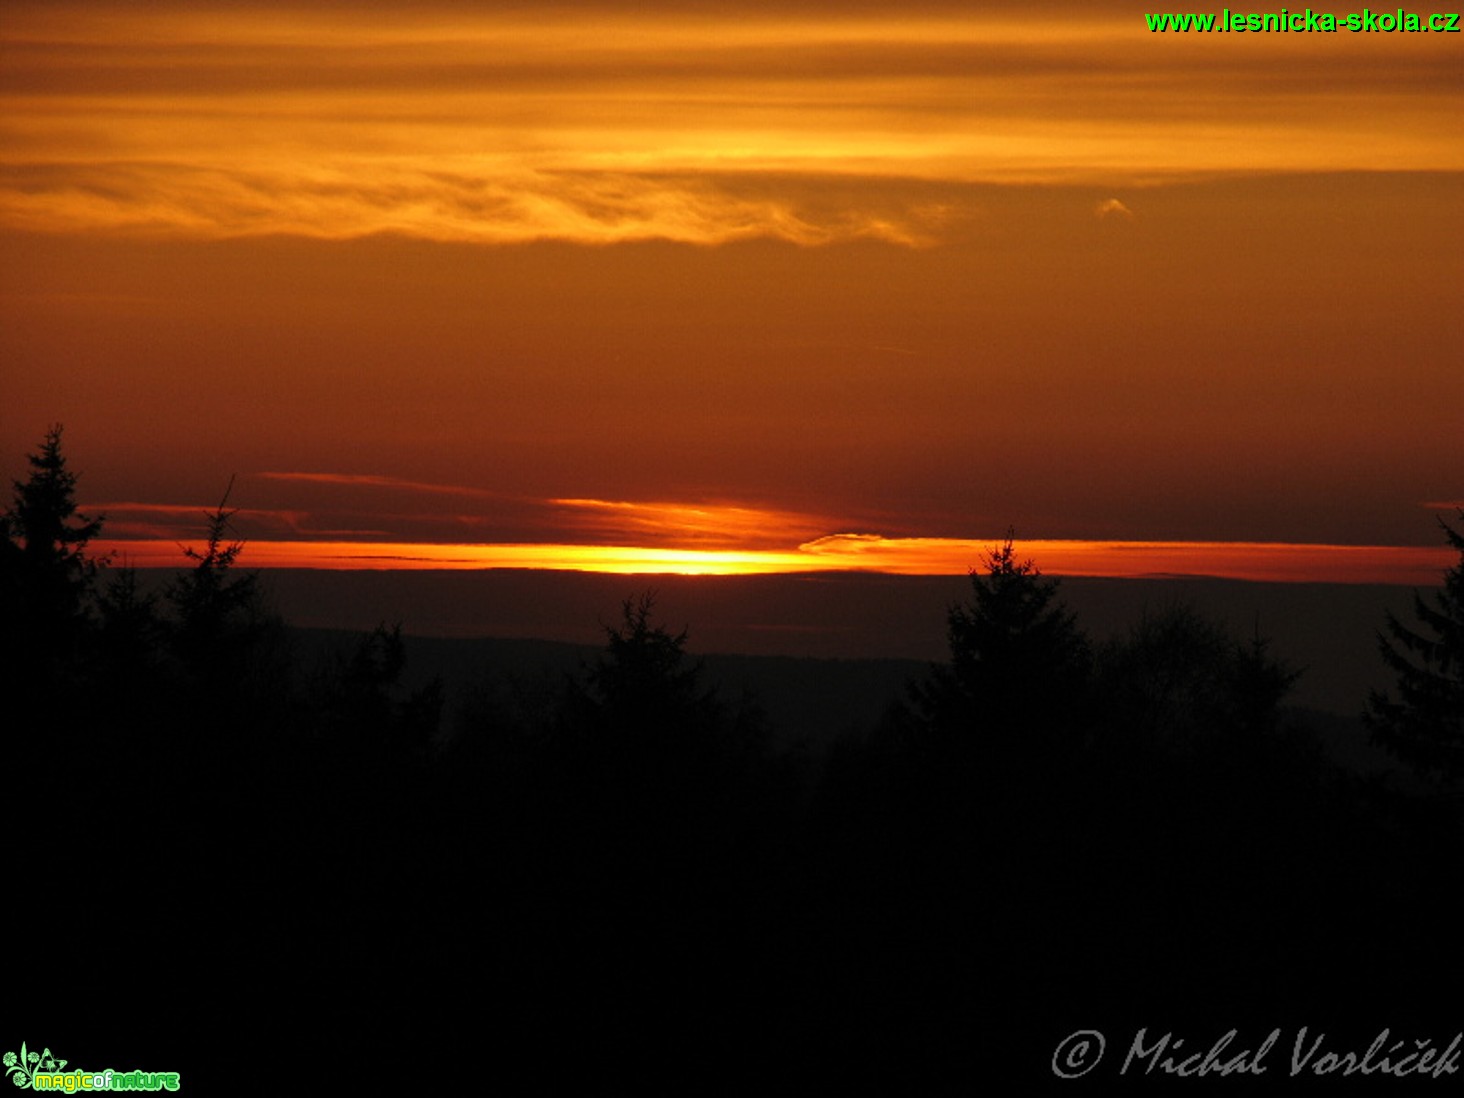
[371,480]
[616,125]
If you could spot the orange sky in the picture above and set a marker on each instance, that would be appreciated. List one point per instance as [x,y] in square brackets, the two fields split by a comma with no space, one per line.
[421,274]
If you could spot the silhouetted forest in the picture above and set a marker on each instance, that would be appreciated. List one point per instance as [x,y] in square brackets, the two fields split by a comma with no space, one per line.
[228,852]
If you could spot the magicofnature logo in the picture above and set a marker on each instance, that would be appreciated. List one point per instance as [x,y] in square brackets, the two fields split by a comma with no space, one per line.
[42,1071]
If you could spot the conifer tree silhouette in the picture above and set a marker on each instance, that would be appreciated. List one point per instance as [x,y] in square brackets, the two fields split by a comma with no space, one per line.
[209,594]
[1424,727]
[1018,658]
[224,636]
[1178,677]
[46,575]
[643,682]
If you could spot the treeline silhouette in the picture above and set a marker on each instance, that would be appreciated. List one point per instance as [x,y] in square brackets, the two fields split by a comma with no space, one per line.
[220,843]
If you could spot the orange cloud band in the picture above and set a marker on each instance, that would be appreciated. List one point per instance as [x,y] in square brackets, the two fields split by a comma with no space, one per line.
[1257,561]
[474,126]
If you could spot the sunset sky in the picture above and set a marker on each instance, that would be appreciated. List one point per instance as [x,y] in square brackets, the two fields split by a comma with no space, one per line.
[876,281]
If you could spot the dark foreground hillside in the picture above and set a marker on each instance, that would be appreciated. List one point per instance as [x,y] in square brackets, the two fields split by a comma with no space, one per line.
[273,859]
[613,874]
[805,702]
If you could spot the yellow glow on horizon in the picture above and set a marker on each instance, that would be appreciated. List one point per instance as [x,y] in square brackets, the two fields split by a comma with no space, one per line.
[1254,561]
[338,555]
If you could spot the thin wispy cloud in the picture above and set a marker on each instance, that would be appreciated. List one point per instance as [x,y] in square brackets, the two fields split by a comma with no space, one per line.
[1257,561]
[370,480]
[334,505]
[686,523]
[128,520]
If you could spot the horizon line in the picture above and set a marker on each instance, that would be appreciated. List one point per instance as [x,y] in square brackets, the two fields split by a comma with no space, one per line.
[1275,562]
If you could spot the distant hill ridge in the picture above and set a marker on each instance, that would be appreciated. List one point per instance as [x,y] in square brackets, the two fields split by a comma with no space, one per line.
[808,701]
[1329,630]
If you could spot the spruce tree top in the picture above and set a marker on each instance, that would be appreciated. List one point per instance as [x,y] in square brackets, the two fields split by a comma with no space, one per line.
[1424,727]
